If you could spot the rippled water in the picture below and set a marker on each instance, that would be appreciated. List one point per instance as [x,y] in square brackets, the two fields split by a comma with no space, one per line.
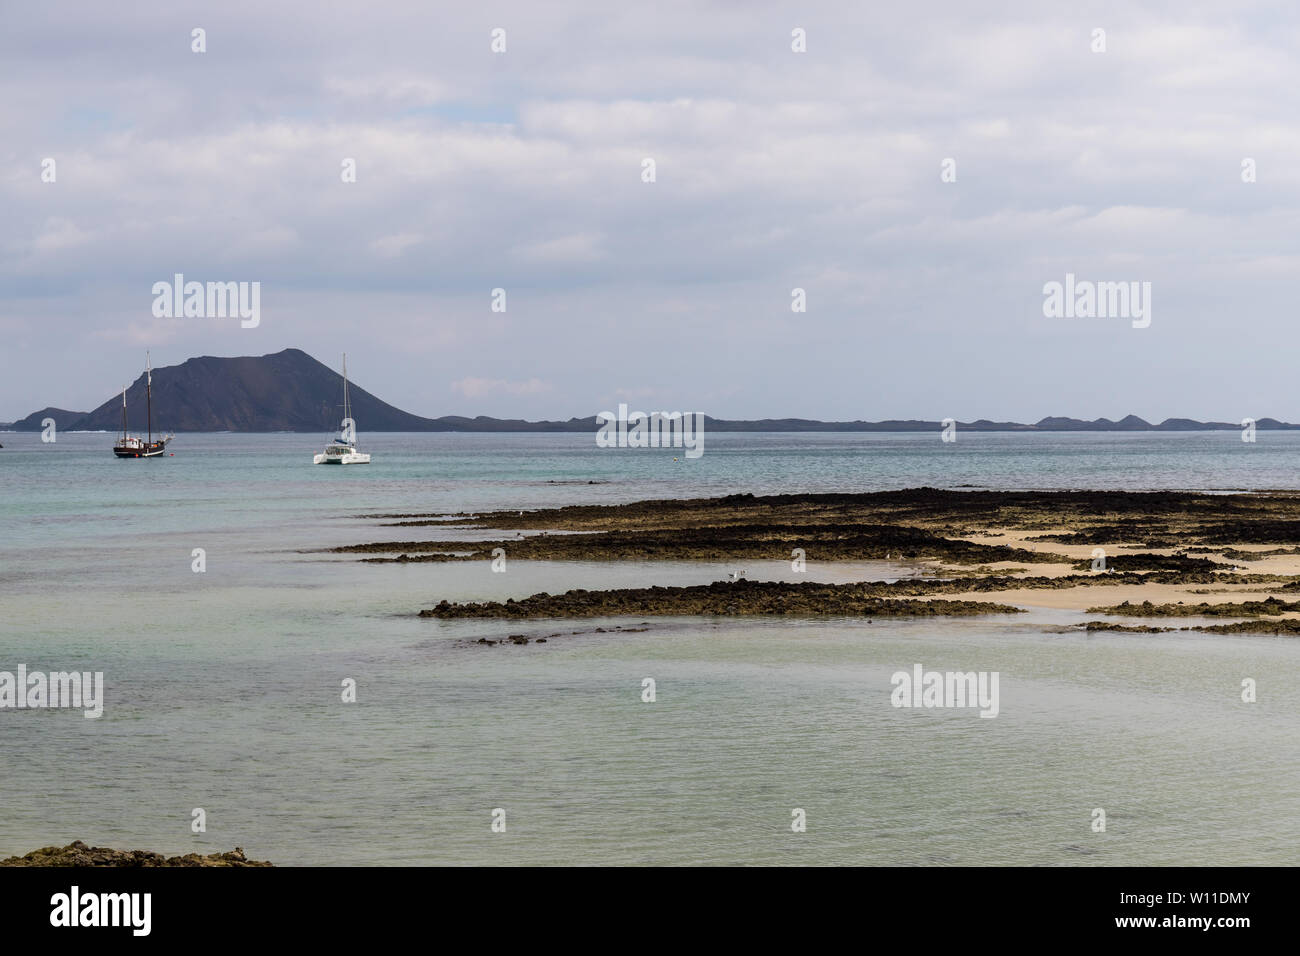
[223,687]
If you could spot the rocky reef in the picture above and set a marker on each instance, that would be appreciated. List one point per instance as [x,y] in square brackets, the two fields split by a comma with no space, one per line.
[963,544]
[917,524]
[720,598]
[1126,628]
[833,542]
[81,855]
[1269,606]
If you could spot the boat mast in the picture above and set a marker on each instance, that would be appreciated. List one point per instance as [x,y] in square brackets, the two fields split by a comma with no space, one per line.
[347,410]
[124,412]
[149,393]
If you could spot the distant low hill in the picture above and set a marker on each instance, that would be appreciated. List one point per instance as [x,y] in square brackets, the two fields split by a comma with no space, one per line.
[32,423]
[291,391]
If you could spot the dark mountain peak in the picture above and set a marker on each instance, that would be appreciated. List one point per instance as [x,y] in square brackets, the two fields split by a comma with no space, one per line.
[285,391]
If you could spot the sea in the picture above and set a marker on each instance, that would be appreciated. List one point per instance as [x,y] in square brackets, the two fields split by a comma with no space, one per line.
[228,638]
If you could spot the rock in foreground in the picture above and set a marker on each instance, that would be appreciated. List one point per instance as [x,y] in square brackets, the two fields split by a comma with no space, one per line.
[721,598]
[78,854]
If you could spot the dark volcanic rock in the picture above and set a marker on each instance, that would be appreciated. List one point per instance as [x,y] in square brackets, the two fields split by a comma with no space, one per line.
[1287,627]
[1270,606]
[1154,562]
[822,541]
[1126,628]
[1251,532]
[914,523]
[720,598]
[78,854]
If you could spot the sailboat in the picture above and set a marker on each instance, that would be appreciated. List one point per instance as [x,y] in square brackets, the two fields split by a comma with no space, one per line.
[133,446]
[343,450]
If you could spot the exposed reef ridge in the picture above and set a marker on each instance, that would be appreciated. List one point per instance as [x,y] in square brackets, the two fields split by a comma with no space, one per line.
[1150,554]
[79,854]
[721,598]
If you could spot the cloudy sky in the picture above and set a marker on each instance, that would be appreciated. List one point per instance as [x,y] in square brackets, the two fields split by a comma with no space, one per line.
[774,170]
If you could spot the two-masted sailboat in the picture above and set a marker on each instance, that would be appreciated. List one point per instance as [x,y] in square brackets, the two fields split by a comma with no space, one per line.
[133,446]
[343,450]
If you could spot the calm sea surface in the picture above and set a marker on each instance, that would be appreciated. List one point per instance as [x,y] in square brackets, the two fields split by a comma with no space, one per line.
[223,688]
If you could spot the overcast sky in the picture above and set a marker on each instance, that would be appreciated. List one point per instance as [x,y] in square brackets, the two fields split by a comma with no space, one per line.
[522,170]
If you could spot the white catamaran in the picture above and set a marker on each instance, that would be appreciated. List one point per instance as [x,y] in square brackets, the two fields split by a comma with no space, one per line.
[343,450]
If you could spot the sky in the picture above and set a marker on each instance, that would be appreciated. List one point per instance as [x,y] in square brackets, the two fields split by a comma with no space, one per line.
[524,170]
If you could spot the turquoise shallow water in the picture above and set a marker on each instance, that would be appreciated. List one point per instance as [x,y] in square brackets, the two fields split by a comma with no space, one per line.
[223,687]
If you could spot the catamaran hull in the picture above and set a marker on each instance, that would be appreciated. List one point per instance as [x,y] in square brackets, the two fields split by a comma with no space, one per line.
[343,450]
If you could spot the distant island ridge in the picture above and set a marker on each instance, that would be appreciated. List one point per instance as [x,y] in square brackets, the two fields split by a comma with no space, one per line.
[290,391]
